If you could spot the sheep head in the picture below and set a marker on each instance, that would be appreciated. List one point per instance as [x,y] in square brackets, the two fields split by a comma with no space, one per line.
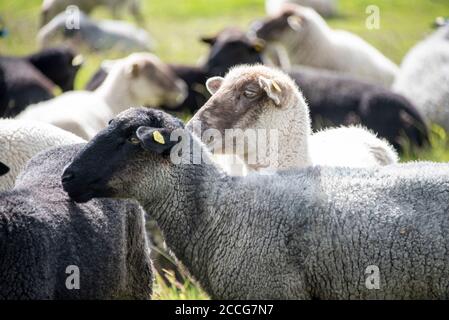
[249,97]
[136,143]
[152,82]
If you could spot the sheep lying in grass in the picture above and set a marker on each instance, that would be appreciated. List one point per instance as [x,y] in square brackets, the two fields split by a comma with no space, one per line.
[31,79]
[20,140]
[46,240]
[326,8]
[228,48]
[309,41]
[51,8]
[58,64]
[259,97]
[139,79]
[424,77]
[95,35]
[309,234]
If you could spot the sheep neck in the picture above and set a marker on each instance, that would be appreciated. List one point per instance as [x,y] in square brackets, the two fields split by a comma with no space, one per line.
[116,93]
[292,147]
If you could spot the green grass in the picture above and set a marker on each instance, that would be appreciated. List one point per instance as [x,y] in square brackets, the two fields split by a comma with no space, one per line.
[176,25]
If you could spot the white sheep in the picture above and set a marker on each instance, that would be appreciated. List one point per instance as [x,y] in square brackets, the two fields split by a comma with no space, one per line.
[139,79]
[326,8]
[259,97]
[20,140]
[308,40]
[424,77]
[95,35]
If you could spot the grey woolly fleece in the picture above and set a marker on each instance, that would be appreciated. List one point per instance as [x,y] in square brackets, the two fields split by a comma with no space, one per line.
[42,233]
[300,234]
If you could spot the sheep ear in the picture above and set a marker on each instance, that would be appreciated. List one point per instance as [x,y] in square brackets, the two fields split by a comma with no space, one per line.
[78,60]
[272,89]
[259,45]
[4,169]
[155,139]
[133,70]
[295,22]
[209,40]
[213,84]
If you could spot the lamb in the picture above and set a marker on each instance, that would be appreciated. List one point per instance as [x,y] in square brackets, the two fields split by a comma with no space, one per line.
[20,140]
[95,35]
[228,48]
[47,241]
[326,8]
[31,79]
[139,79]
[299,234]
[309,41]
[51,8]
[424,77]
[259,97]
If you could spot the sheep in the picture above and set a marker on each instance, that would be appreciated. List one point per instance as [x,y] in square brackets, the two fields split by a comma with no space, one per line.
[58,64]
[47,241]
[20,140]
[336,100]
[326,8]
[309,41]
[31,79]
[227,48]
[258,97]
[298,234]
[51,8]
[139,79]
[95,35]
[424,77]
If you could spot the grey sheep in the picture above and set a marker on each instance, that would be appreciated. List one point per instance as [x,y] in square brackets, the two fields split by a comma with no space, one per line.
[43,235]
[301,234]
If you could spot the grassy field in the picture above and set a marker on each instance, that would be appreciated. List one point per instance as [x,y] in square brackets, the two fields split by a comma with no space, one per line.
[177,24]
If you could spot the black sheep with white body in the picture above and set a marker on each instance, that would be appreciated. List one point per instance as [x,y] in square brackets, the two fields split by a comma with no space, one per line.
[42,233]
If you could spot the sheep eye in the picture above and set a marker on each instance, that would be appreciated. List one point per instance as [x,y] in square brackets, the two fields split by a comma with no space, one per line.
[134,140]
[250,94]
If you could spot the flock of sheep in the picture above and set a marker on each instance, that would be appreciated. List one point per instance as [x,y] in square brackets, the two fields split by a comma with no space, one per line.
[83,172]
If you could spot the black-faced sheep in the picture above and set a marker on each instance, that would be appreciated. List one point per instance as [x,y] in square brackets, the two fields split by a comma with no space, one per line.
[302,234]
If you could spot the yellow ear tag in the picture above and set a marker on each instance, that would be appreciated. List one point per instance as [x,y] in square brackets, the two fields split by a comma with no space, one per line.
[276,86]
[157,136]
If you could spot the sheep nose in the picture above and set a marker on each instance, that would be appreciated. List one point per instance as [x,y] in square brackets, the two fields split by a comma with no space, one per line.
[67,176]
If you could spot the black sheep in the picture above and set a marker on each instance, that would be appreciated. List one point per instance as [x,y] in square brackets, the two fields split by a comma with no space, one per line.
[229,47]
[60,65]
[31,79]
